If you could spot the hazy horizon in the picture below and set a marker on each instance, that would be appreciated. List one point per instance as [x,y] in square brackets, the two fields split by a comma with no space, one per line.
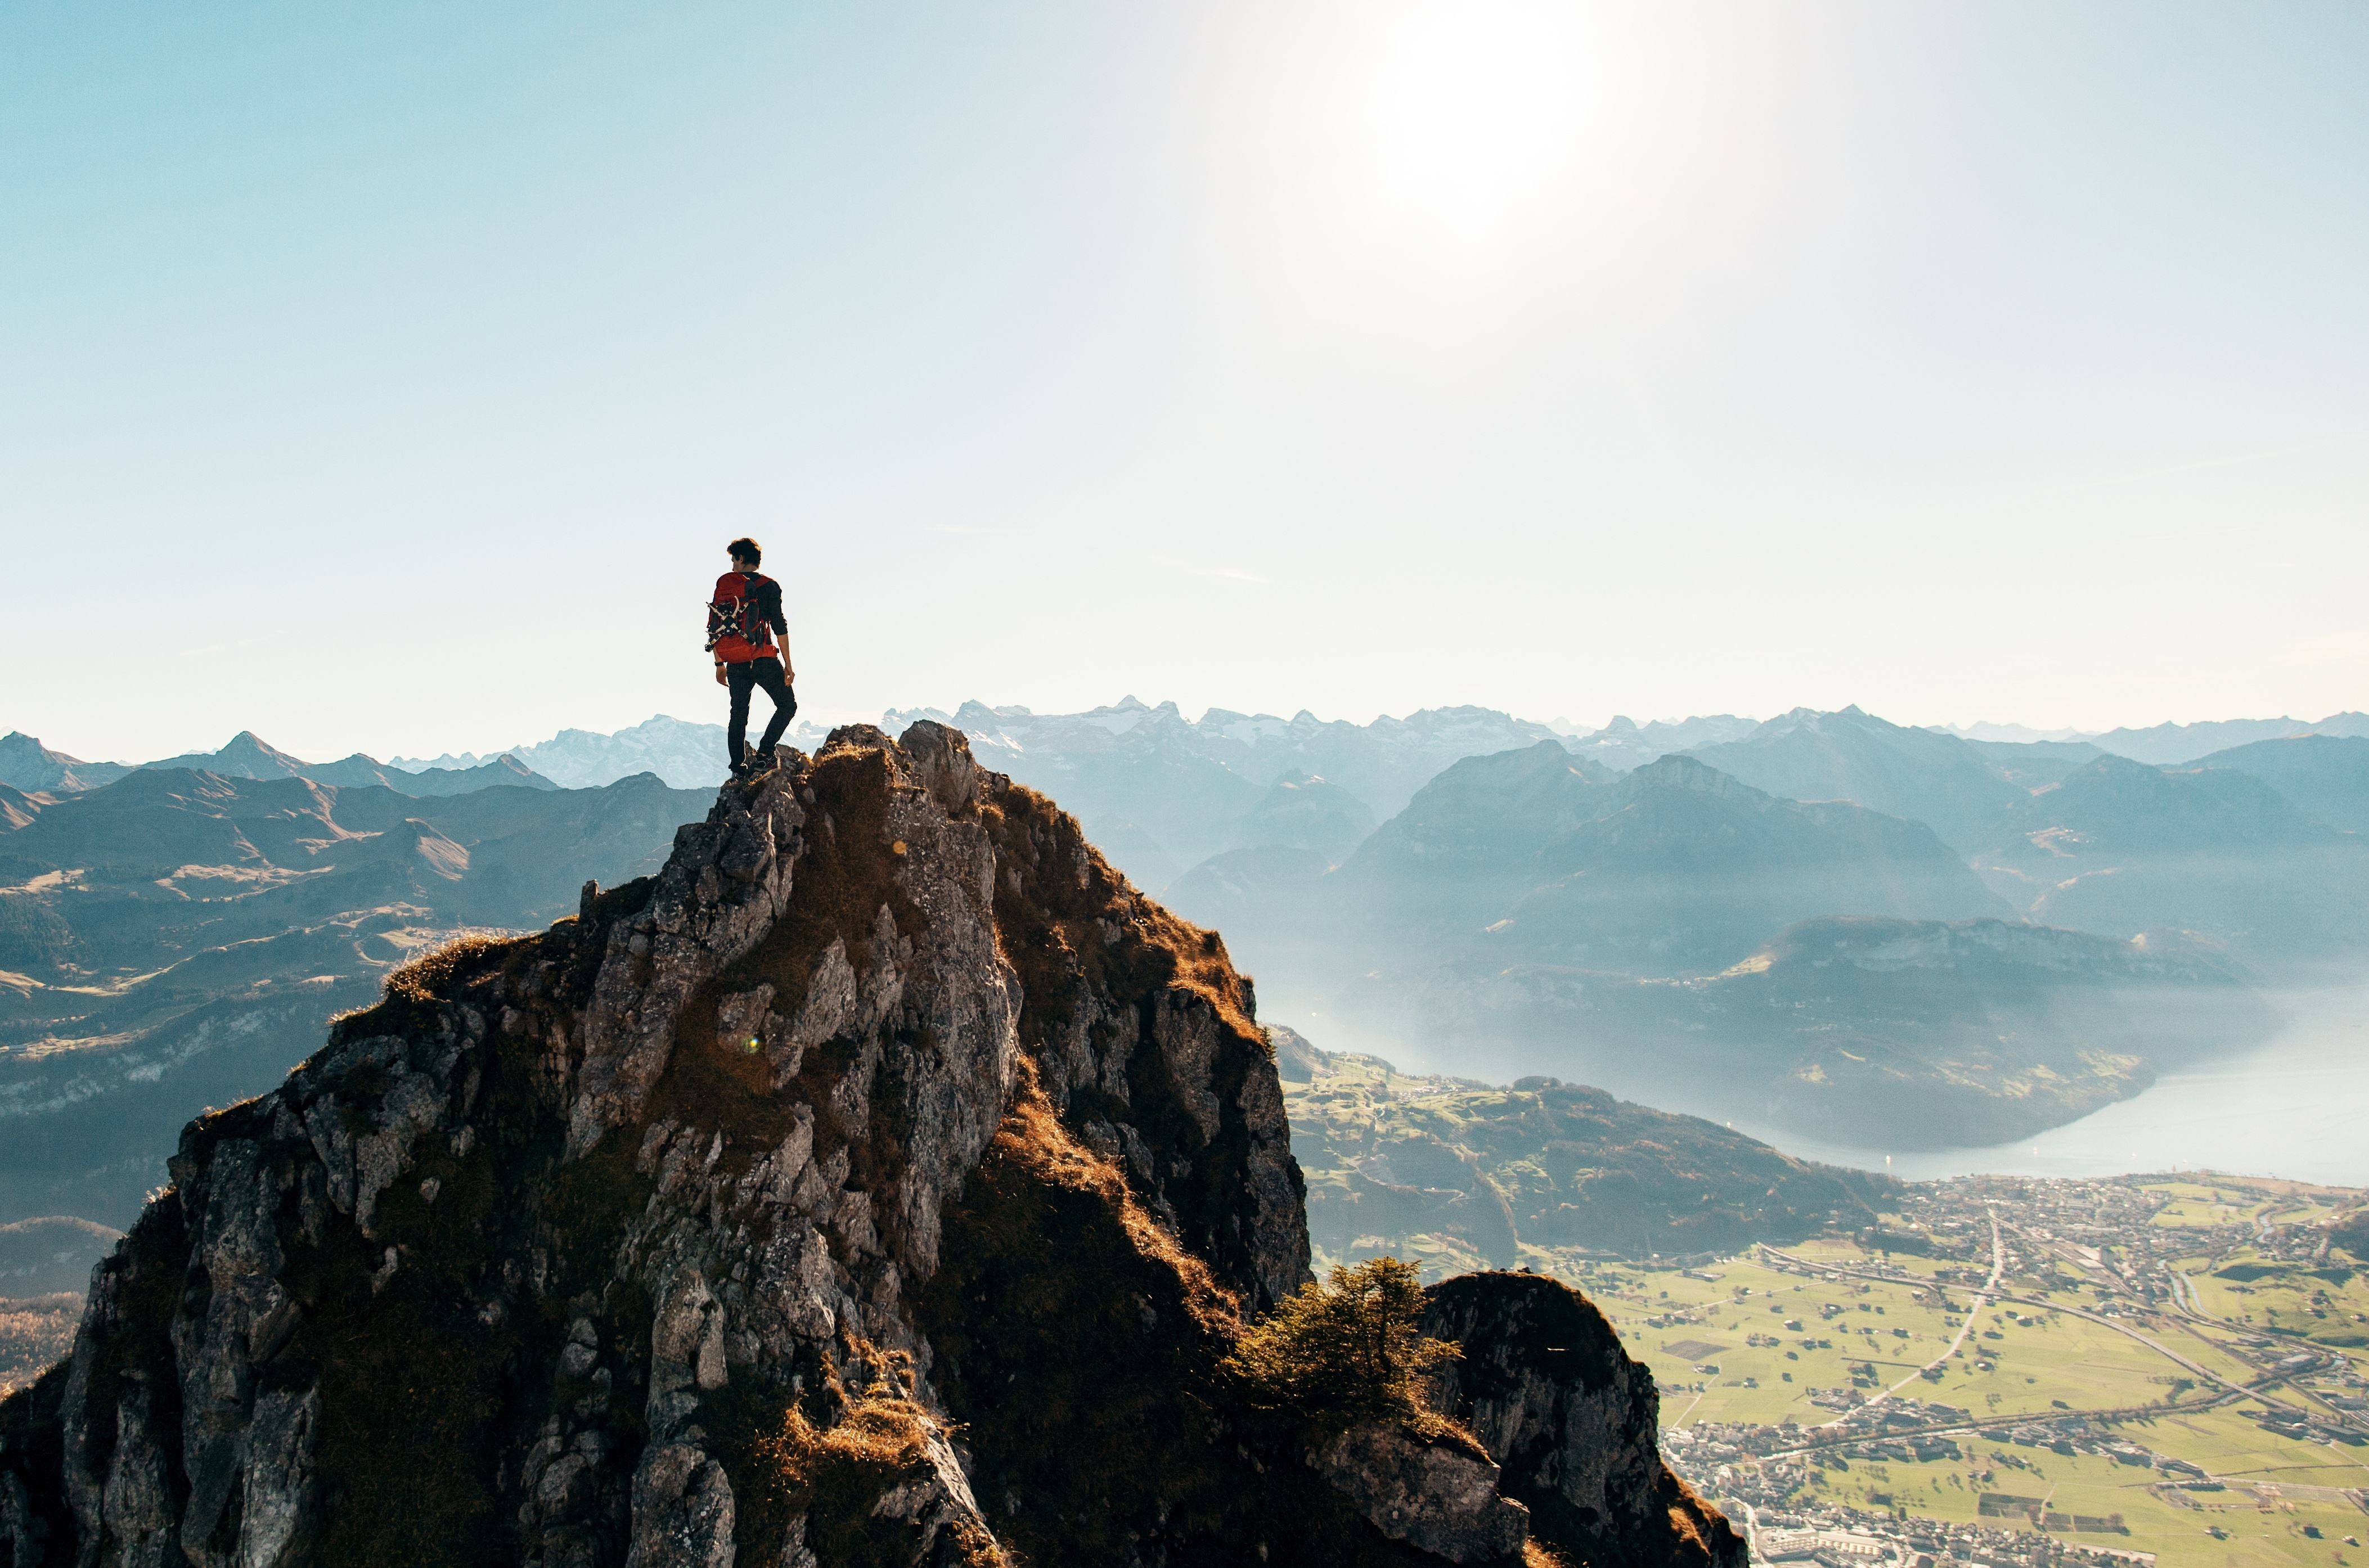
[828,719]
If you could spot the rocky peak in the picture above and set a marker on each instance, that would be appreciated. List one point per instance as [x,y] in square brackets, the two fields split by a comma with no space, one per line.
[1678,771]
[884,1180]
[1544,1384]
[27,764]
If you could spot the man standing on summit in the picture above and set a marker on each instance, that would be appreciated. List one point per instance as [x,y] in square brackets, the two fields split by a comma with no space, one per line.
[742,621]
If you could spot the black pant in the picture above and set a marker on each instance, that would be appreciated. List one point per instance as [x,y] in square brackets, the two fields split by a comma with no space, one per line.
[766,673]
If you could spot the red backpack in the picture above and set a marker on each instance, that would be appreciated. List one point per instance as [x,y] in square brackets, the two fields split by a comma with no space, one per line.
[736,630]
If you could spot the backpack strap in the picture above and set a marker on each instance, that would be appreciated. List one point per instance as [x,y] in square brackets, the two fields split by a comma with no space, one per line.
[754,625]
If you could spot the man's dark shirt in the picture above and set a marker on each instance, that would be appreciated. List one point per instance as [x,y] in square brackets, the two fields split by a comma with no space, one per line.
[768,594]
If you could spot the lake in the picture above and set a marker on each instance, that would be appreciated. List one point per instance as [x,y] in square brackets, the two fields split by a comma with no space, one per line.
[2295,1106]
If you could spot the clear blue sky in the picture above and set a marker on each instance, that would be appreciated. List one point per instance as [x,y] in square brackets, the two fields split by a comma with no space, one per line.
[389,377]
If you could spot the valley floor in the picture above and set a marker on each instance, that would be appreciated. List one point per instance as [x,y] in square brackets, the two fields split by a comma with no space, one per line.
[2152,1365]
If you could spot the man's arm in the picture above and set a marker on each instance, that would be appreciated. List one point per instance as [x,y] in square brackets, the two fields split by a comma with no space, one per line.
[773,611]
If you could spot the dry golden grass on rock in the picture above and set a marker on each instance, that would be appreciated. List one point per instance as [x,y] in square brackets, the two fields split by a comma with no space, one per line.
[1087,922]
[834,1475]
[412,991]
[1033,1139]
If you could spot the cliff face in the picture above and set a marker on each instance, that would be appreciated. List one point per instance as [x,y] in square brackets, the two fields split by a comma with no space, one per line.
[882,1182]
[1544,1383]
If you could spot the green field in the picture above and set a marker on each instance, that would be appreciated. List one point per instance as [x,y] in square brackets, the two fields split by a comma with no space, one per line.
[1749,1339]
[2261,1532]
[2328,1306]
[2018,1359]
[2036,1357]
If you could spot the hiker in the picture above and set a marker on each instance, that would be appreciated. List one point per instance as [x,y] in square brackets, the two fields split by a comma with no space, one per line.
[742,621]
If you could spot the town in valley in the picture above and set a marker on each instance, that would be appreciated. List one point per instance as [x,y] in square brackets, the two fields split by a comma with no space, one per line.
[2166,1368]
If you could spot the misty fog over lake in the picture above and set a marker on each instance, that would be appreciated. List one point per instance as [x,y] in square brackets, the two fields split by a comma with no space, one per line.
[2294,1106]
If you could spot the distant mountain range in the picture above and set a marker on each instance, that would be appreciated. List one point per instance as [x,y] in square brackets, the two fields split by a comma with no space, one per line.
[686,756]
[2326,776]
[1831,921]
[1160,793]
[2255,849]
[26,765]
[1462,880]
[2120,847]
[1680,937]
[1625,743]
[1531,856]
[1674,869]
[2251,848]
[2171,745]
[1382,763]
[178,939]
[248,756]
[1952,786]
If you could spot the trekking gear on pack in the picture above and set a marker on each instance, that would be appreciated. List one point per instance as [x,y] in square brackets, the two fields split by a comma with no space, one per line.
[741,617]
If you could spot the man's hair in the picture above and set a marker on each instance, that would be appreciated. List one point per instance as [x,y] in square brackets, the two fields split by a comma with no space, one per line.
[746,550]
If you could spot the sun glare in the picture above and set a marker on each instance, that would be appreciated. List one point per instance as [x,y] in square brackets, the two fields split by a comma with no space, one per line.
[1451,133]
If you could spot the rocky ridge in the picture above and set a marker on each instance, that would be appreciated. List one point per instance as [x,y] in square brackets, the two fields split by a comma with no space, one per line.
[884,1181]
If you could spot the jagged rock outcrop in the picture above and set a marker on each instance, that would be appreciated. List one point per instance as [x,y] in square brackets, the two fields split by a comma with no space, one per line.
[882,1182]
[1433,1490]
[1545,1385]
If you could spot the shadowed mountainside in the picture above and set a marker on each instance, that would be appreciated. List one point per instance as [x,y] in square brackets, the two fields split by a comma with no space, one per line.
[177,940]
[1468,1175]
[2325,777]
[1951,786]
[2120,847]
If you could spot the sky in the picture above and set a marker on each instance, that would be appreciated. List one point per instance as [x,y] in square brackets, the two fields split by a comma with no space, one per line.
[390,378]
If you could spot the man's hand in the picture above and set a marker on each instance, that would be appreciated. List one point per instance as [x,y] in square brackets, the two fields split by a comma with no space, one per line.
[721,678]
